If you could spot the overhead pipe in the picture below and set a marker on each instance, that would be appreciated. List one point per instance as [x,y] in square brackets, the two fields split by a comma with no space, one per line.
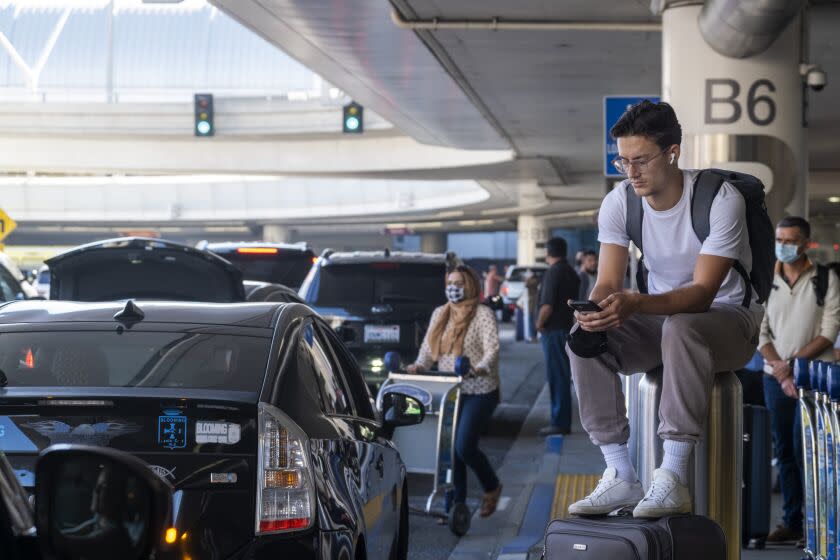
[498,24]
[745,28]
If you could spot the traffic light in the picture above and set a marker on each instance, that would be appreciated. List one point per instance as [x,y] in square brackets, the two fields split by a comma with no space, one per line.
[354,122]
[204,115]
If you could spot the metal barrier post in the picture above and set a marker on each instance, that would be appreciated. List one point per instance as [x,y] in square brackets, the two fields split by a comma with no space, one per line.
[829,491]
[802,375]
[834,407]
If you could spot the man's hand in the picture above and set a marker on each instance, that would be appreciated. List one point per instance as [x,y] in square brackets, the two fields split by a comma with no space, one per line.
[411,368]
[480,372]
[789,388]
[616,307]
[781,370]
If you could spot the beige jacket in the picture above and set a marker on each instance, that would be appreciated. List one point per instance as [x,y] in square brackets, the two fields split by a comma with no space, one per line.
[792,317]
[481,346]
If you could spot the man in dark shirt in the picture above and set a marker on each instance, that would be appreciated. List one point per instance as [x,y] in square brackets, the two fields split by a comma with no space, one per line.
[560,284]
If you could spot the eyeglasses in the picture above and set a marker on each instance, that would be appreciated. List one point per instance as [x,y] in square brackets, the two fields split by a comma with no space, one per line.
[623,165]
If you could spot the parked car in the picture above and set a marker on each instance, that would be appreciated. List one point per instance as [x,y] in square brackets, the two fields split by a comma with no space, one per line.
[143,268]
[13,284]
[514,283]
[378,301]
[255,413]
[41,282]
[277,263]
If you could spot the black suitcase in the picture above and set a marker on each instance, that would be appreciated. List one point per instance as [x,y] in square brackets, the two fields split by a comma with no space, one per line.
[758,455]
[676,537]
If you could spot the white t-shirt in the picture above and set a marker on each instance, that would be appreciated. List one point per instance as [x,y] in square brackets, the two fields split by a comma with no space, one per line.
[671,247]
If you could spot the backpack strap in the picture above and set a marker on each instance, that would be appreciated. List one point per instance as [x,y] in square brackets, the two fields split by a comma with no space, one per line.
[633,226]
[820,281]
[635,215]
[707,185]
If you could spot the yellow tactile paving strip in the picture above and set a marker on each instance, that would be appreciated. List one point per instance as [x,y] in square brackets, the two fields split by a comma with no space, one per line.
[569,488]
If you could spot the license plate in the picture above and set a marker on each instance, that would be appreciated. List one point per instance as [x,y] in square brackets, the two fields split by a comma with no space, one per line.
[382,333]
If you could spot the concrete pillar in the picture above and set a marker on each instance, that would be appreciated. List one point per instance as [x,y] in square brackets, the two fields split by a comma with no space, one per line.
[274,233]
[532,234]
[433,242]
[740,114]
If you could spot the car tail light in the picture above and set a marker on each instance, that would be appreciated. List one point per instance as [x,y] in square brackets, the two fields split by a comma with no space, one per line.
[285,490]
[257,250]
[505,290]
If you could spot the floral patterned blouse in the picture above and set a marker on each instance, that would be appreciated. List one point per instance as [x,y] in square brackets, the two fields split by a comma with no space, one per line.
[481,346]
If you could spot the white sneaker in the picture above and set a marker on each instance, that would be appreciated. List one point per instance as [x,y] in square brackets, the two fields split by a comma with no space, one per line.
[612,493]
[666,496]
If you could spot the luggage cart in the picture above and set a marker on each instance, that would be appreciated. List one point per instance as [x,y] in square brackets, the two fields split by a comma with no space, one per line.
[826,460]
[834,408]
[803,374]
[429,447]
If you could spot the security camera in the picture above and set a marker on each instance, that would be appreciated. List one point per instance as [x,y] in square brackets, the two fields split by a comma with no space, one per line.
[815,77]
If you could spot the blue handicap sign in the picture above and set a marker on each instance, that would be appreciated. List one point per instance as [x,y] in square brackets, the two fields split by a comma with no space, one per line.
[12,439]
[172,431]
[614,107]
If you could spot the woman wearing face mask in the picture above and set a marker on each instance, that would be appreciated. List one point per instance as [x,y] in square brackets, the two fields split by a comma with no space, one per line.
[463,327]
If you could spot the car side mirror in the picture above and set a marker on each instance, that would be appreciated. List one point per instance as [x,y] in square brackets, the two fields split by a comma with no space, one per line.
[95,499]
[399,409]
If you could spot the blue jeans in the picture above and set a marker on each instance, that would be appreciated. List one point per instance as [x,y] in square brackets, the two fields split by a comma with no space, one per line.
[559,375]
[473,416]
[787,447]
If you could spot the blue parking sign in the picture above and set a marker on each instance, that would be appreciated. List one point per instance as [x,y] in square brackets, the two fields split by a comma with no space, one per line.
[614,107]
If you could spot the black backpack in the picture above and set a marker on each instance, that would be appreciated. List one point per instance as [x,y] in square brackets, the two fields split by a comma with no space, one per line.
[759,227]
[820,281]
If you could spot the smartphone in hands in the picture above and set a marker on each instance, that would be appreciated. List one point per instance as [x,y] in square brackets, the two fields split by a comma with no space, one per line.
[585,306]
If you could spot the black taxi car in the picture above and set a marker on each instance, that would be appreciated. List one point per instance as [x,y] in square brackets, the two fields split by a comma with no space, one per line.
[254,412]
[378,301]
[277,263]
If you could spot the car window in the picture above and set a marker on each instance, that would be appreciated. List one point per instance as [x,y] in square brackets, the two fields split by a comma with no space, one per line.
[334,396]
[285,267]
[347,367]
[188,360]
[380,282]
[519,274]
[9,287]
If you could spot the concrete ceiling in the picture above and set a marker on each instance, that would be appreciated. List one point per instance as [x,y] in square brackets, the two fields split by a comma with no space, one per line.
[537,92]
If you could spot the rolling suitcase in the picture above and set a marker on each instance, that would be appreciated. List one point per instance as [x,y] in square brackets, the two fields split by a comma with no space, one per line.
[758,451]
[676,537]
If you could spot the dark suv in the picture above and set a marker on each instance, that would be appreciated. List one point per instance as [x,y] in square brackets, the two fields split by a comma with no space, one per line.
[277,263]
[378,301]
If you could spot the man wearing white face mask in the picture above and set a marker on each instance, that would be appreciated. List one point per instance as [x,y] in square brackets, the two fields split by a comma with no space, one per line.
[801,321]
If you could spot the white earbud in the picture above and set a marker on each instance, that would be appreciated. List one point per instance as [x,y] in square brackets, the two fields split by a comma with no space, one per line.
[672,159]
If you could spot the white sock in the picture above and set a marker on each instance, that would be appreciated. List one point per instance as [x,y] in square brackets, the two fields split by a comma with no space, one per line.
[617,457]
[676,458]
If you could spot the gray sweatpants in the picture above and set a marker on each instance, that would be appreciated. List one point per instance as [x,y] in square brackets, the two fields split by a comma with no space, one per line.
[691,347]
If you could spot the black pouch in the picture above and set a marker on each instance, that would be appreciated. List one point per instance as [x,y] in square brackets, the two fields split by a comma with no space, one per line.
[587,344]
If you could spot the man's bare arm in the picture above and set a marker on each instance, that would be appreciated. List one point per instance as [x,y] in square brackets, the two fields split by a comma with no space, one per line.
[697,297]
[612,266]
